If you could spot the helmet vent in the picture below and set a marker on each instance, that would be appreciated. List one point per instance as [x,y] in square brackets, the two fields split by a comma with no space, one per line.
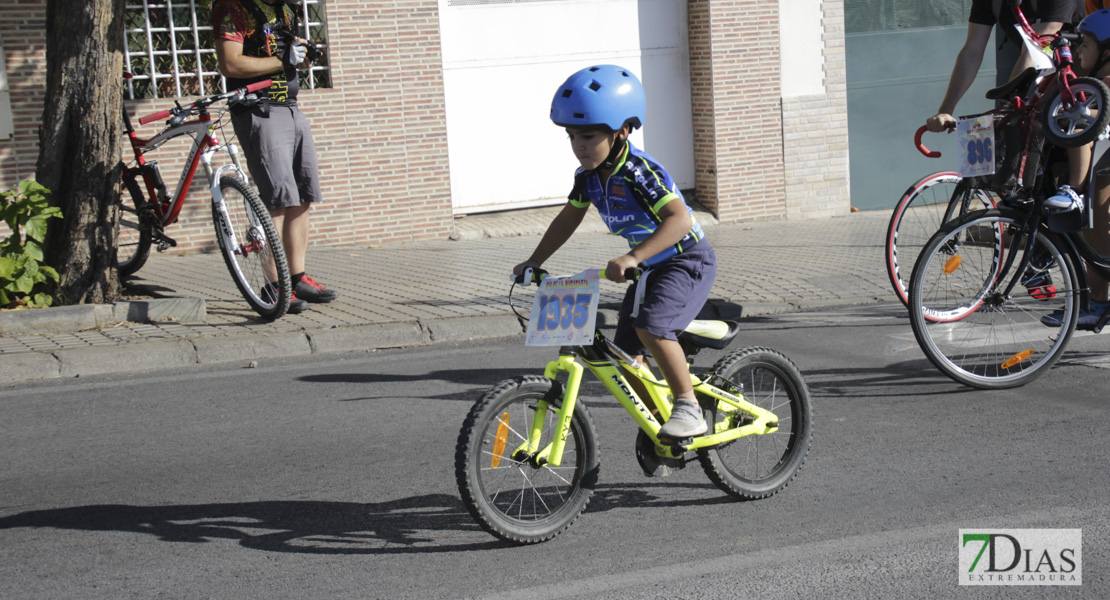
[579,115]
[595,86]
[567,92]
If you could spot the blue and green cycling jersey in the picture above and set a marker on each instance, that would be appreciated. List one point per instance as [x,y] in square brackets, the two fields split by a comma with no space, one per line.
[629,202]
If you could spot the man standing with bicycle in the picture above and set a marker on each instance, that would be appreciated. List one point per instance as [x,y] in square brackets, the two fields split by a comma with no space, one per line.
[255,41]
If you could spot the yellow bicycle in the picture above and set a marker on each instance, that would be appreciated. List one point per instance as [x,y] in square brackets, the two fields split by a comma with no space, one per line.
[527,456]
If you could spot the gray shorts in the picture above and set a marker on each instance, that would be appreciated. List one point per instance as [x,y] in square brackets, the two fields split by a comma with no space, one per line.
[677,290]
[281,155]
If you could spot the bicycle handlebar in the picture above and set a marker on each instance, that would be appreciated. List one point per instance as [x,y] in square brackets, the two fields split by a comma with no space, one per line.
[203,102]
[530,275]
[921,147]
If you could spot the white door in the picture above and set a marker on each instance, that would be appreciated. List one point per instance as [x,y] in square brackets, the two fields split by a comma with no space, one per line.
[503,60]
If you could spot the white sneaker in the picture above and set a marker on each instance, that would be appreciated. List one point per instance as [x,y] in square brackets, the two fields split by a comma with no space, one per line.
[1065,200]
[686,421]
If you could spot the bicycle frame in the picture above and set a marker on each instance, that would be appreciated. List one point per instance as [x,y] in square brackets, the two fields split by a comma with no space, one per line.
[608,363]
[205,145]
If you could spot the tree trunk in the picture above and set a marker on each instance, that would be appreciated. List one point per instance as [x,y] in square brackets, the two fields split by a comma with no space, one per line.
[80,140]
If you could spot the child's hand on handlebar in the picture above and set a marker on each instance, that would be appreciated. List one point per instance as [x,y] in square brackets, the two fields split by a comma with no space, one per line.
[615,270]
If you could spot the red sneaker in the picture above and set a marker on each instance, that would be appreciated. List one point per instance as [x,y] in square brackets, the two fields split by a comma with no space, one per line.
[307,289]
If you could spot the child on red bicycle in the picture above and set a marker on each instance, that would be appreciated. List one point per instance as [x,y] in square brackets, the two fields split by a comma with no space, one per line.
[1092,57]
[599,107]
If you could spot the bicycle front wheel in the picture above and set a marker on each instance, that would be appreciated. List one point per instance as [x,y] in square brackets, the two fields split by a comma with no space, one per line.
[758,466]
[927,205]
[252,249]
[504,475]
[133,237]
[965,324]
[1071,126]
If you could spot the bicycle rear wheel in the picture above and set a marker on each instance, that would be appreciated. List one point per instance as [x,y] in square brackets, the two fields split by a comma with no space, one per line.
[758,466]
[133,236]
[927,205]
[256,259]
[979,337]
[508,489]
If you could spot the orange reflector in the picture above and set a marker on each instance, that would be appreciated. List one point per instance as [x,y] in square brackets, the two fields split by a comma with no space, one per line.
[499,441]
[1015,359]
[952,264]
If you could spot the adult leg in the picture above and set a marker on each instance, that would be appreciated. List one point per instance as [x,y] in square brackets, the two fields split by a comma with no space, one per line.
[1099,236]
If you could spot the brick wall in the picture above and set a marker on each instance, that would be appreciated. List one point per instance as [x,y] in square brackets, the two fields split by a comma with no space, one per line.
[380,131]
[737,108]
[815,133]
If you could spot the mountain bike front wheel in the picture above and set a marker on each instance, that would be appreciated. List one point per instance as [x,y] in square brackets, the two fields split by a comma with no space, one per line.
[929,203]
[133,238]
[256,258]
[505,481]
[965,324]
[758,466]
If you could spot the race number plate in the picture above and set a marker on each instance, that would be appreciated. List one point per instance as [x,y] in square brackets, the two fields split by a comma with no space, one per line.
[564,311]
[976,139]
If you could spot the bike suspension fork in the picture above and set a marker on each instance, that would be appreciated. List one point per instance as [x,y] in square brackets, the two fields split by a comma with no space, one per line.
[553,454]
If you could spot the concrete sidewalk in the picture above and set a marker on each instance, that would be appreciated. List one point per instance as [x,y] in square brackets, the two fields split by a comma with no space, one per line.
[421,293]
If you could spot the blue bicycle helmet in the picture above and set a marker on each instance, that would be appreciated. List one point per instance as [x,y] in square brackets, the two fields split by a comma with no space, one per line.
[1097,24]
[605,96]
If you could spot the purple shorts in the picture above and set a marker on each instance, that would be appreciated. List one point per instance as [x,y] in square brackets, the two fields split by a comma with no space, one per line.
[677,291]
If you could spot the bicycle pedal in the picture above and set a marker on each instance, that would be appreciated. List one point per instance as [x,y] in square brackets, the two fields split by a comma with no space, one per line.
[651,463]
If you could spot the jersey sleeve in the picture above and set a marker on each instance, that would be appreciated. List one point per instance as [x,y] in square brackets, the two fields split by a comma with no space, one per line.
[655,189]
[577,196]
[228,23]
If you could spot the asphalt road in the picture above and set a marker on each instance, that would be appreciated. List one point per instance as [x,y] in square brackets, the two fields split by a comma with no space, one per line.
[333,478]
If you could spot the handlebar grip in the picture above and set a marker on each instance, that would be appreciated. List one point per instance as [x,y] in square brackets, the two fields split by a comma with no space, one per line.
[921,147]
[258,85]
[158,116]
[633,273]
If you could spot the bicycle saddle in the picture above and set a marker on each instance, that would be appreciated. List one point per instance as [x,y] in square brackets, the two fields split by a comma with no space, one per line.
[710,334]
[1021,82]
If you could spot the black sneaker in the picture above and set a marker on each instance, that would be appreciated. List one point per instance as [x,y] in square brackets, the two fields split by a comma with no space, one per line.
[308,289]
[296,305]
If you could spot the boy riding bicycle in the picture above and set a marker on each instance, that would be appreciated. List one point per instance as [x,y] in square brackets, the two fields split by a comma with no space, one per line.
[599,107]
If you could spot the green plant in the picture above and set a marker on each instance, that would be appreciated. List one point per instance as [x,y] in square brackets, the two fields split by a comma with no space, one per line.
[22,274]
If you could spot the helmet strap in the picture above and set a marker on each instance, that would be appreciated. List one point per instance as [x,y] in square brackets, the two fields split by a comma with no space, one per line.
[614,154]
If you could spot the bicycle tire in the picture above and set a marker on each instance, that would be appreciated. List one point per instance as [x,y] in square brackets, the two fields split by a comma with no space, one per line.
[1074,127]
[919,213]
[506,492]
[1000,342]
[133,237]
[260,256]
[758,466]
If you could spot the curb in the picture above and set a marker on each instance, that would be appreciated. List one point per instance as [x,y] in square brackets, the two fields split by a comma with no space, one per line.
[147,356]
[60,319]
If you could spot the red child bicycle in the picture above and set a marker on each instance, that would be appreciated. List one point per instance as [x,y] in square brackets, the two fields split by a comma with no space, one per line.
[245,233]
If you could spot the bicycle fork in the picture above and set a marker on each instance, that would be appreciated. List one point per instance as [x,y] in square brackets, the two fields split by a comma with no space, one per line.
[256,238]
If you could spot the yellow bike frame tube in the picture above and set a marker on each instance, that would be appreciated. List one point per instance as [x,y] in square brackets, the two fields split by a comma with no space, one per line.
[765,420]
[614,381]
[553,453]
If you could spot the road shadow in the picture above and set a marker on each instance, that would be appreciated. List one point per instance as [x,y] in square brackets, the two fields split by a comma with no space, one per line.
[431,523]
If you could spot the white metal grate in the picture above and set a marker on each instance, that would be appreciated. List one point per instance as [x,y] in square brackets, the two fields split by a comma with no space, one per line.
[170,52]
